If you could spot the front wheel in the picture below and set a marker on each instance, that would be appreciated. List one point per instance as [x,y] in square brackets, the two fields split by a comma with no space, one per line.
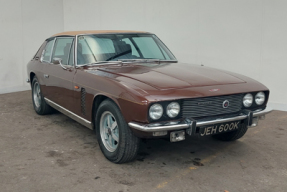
[40,105]
[116,140]
[232,136]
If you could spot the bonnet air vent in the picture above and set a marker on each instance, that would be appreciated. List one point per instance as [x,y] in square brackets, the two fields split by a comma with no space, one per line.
[83,101]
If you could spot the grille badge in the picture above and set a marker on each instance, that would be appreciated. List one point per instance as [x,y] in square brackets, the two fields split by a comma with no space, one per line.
[225,104]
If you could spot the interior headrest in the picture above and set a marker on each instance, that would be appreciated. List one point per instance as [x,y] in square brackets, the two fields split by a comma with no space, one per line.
[124,47]
[67,48]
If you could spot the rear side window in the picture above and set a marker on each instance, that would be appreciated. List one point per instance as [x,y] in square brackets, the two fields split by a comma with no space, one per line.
[48,51]
[62,49]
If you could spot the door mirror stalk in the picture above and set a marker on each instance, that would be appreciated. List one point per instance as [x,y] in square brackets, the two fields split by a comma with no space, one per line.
[58,61]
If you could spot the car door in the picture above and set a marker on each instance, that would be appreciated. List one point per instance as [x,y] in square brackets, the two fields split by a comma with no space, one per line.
[59,77]
[45,60]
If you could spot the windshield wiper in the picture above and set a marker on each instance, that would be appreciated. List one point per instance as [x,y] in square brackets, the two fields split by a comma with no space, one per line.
[139,60]
[100,62]
[146,60]
[120,61]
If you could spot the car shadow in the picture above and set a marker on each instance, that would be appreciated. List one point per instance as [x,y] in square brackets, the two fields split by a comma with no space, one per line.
[193,151]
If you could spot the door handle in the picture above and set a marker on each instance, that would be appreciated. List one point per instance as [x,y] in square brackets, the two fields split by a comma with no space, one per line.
[46,76]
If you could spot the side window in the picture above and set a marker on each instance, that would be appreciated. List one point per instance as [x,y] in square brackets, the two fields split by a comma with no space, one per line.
[71,55]
[84,50]
[47,52]
[62,49]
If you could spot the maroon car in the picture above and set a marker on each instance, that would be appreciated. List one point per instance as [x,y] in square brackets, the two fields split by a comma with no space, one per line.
[127,85]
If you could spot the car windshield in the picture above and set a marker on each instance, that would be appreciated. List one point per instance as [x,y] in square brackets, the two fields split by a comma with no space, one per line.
[125,47]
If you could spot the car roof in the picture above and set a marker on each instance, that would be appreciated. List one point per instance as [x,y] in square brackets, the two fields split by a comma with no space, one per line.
[74,33]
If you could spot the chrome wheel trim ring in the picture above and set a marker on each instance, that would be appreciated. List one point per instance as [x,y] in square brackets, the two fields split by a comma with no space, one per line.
[37,94]
[109,131]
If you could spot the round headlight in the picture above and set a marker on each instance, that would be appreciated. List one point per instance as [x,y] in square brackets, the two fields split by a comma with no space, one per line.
[259,98]
[155,111]
[247,100]
[173,109]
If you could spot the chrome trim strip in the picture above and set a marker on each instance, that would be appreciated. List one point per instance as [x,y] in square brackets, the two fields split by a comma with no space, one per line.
[262,112]
[70,114]
[216,121]
[165,127]
[76,52]
[148,128]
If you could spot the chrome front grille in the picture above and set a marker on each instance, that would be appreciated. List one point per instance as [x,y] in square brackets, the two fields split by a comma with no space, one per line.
[210,106]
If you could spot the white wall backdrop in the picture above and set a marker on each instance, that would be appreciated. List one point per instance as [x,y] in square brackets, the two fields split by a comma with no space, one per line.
[243,36]
[24,25]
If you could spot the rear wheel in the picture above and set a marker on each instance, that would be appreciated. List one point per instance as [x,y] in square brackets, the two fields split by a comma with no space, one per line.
[232,136]
[116,140]
[40,106]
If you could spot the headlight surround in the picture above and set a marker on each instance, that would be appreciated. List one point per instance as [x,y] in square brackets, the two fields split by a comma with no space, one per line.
[173,109]
[248,100]
[155,111]
[260,98]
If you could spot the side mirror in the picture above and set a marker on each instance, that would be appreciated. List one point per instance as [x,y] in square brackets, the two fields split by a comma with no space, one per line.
[57,61]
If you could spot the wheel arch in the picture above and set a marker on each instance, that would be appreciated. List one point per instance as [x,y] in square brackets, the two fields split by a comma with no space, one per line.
[32,75]
[98,99]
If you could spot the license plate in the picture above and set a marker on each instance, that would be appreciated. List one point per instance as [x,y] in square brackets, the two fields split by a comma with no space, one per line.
[219,128]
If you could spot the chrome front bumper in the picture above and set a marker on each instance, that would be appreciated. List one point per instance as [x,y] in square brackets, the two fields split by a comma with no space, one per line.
[189,123]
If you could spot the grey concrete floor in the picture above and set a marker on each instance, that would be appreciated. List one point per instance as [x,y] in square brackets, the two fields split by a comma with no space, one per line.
[54,153]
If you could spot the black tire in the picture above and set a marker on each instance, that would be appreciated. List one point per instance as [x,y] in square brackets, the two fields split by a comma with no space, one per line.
[232,136]
[127,145]
[41,108]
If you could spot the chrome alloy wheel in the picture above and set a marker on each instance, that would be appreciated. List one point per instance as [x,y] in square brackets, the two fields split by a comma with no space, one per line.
[109,131]
[37,94]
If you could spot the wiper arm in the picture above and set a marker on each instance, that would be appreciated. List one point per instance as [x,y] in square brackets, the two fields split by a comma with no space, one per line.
[100,62]
[146,60]
[139,60]
[119,61]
